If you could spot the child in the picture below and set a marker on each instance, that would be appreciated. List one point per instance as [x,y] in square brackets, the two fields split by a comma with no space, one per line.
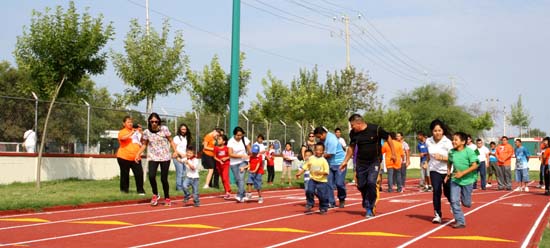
[307,155]
[255,173]
[221,155]
[318,167]
[288,157]
[463,162]
[269,155]
[522,167]
[192,178]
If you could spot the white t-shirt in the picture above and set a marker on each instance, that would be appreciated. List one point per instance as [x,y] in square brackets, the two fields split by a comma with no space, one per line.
[238,148]
[30,137]
[442,148]
[343,142]
[472,146]
[193,173]
[483,151]
[181,144]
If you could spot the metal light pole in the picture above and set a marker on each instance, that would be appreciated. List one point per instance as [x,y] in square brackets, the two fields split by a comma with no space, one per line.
[284,124]
[247,121]
[87,127]
[197,124]
[301,132]
[35,113]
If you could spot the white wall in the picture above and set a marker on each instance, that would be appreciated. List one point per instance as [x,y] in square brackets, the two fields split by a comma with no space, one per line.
[23,168]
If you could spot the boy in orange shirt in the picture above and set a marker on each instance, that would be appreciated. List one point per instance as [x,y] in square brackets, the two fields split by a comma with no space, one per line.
[504,160]
[394,167]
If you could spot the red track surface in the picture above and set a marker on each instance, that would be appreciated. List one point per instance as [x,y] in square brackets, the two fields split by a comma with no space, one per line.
[496,219]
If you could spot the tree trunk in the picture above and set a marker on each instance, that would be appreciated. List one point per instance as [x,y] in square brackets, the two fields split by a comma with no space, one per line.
[149,107]
[43,140]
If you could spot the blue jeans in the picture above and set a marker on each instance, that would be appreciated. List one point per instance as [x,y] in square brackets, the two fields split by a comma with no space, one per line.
[194,182]
[336,177]
[403,174]
[482,170]
[460,194]
[239,177]
[180,174]
[319,189]
[394,173]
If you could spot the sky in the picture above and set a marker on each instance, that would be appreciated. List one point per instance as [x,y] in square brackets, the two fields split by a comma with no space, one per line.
[490,51]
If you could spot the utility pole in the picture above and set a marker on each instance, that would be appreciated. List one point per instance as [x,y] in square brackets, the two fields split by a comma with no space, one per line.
[345,18]
[147,17]
[235,66]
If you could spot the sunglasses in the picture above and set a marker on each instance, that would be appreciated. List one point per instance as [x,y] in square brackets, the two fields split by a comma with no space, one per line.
[311,136]
[154,121]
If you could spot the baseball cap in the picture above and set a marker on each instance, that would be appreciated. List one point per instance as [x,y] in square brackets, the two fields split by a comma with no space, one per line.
[255,148]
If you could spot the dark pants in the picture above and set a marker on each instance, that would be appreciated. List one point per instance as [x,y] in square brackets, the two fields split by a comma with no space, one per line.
[439,187]
[542,180]
[270,173]
[319,189]
[482,170]
[367,183]
[153,167]
[137,169]
[546,178]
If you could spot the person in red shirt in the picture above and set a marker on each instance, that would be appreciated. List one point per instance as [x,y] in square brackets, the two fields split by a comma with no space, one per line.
[255,173]
[221,155]
[270,157]
[504,160]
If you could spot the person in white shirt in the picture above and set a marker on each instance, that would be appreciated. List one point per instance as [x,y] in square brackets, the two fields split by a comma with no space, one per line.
[192,177]
[30,141]
[182,140]
[238,157]
[483,158]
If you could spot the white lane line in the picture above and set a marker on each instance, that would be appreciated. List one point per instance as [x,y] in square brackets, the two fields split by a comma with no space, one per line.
[124,214]
[123,205]
[534,227]
[147,224]
[347,225]
[450,221]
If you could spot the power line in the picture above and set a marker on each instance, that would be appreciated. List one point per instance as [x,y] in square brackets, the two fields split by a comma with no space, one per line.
[329,15]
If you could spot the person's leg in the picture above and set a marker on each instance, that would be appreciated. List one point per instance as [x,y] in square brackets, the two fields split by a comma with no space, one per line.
[195,186]
[546,179]
[124,166]
[500,177]
[455,191]
[403,175]
[215,182]
[399,178]
[137,169]
[437,182]
[241,179]
[391,173]
[508,177]
[270,174]
[225,177]
[152,173]
[372,183]
[322,191]
[164,167]
[541,175]
[310,193]
[207,164]
[341,184]
[179,174]
[185,187]
[483,174]
[331,178]
[361,177]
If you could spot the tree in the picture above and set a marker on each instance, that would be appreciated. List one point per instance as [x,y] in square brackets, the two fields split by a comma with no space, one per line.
[535,132]
[519,117]
[57,51]
[17,113]
[150,67]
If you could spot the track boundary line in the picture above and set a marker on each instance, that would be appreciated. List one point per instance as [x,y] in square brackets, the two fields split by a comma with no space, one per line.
[534,227]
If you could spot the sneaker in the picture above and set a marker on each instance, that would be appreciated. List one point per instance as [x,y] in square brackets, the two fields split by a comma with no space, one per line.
[141,193]
[330,205]
[206,187]
[436,219]
[185,200]
[260,200]
[458,226]
[518,189]
[244,199]
[369,214]
[167,202]
[526,189]
[249,195]
[227,196]
[488,185]
[196,204]
[547,192]
[540,186]
[155,200]
[323,212]
[237,198]
[342,204]
[308,209]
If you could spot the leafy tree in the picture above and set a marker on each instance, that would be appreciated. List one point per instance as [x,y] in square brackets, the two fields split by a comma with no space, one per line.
[519,117]
[535,132]
[17,113]
[150,67]
[57,50]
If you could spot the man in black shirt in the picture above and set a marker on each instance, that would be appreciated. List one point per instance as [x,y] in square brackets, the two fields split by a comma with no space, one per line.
[366,147]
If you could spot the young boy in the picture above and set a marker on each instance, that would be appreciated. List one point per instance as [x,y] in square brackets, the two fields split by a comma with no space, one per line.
[192,178]
[307,155]
[522,167]
[463,161]
[255,173]
[318,167]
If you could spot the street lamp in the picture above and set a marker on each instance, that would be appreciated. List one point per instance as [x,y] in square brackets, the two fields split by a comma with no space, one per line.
[301,132]
[284,124]
[87,127]
[247,121]
[197,124]
[35,113]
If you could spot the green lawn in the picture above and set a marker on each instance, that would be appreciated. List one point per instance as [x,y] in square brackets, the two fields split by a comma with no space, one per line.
[74,192]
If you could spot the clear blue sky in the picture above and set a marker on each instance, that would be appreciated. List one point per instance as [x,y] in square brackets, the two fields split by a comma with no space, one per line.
[494,49]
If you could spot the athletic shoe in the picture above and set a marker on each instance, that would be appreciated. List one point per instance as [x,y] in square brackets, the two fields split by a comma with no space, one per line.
[238,198]
[436,219]
[308,209]
[547,192]
[196,204]
[323,212]
[458,226]
[260,200]
[155,200]
[167,202]
[526,189]
[206,187]
[518,189]
[244,199]
[141,194]
[185,200]
[540,186]
[488,185]
[249,195]
[342,204]
[227,196]
[369,214]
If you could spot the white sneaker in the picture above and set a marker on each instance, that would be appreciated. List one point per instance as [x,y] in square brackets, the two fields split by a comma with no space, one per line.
[436,219]
[238,199]
[488,185]
[244,199]
[518,189]
[205,187]
[260,200]
[526,189]
[249,195]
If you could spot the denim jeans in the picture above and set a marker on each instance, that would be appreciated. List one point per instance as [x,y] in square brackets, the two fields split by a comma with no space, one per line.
[194,182]
[336,177]
[394,174]
[460,194]
[319,189]
[482,169]
[239,177]
[403,175]
[180,174]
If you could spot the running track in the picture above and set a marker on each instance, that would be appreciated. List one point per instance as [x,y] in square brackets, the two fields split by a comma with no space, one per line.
[496,219]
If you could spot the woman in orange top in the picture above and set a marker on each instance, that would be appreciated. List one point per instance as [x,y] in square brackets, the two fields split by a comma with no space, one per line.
[126,154]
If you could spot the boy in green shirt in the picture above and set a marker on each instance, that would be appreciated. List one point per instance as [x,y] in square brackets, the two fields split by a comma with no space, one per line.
[463,163]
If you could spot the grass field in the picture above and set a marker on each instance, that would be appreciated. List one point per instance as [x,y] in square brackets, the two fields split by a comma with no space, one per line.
[74,192]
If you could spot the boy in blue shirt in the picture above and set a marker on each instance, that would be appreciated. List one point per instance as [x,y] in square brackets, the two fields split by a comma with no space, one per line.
[522,167]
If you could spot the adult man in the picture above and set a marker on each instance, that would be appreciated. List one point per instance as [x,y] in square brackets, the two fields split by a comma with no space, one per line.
[366,138]
[406,160]
[30,141]
[334,155]
[483,158]
[504,161]
[425,182]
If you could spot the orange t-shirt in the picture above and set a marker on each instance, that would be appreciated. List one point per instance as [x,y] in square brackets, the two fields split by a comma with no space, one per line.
[209,139]
[398,152]
[127,149]
[504,152]
[546,156]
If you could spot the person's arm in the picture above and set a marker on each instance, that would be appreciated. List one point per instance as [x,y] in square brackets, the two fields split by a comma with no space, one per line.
[392,149]
[349,154]
[487,159]
[144,143]
[449,172]
[126,136]
[408,157]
